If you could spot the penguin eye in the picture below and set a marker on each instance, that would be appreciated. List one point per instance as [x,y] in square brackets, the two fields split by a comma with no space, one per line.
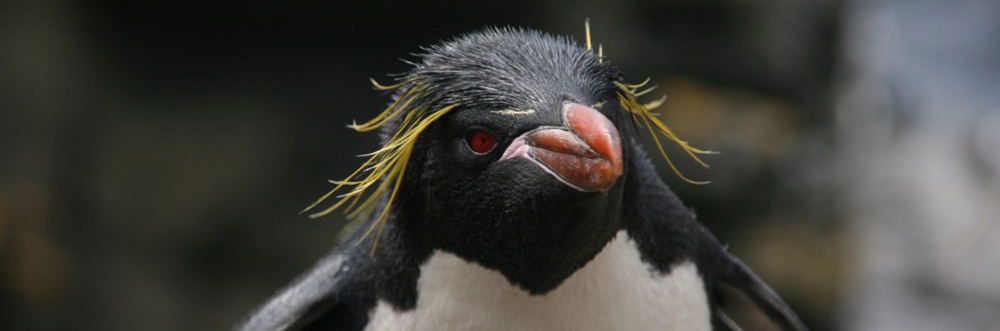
[480,141]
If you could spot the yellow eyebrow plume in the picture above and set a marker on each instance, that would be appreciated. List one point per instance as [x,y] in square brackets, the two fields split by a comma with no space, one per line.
[513,112]
[387,165]
[641,112]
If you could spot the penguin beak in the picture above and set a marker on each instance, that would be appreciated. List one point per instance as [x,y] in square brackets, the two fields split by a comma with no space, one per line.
[585,153]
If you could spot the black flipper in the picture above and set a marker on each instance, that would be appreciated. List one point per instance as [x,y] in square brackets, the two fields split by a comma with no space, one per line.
[745,302]
[317,298]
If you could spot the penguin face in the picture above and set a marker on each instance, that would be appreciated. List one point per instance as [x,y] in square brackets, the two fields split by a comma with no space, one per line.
[525,175]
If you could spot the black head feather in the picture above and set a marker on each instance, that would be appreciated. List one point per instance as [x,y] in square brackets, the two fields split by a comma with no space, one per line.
[509,68]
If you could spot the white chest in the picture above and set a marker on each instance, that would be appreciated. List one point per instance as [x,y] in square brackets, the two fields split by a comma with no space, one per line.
[615,291]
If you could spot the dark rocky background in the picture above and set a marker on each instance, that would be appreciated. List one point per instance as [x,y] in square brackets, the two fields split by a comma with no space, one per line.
[154,155]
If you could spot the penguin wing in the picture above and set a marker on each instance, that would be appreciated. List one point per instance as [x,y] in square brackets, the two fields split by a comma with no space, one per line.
[745,302]
[317,297]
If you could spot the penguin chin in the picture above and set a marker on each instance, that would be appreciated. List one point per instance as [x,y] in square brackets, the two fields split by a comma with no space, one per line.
[537,231]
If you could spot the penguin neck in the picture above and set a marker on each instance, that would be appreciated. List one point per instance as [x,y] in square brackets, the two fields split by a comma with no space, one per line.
[665,230]
[408,240]
[396,256]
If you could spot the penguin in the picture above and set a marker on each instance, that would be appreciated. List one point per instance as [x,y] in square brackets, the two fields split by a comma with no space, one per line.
[511,193]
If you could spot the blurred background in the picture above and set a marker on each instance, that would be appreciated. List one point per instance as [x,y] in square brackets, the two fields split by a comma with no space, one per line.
[154,154]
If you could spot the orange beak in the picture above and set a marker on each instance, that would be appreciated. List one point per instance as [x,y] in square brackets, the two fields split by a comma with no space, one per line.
[585,154]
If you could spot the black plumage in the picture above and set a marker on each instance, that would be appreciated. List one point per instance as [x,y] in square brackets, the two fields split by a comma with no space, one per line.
[508,215]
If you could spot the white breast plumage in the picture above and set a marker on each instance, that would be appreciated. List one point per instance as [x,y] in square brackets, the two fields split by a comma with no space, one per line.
[615,291]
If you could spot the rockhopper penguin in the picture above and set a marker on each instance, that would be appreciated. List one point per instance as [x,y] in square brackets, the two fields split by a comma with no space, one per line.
[511,194]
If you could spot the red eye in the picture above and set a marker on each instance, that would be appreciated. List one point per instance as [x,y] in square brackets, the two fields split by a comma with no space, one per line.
[480,141]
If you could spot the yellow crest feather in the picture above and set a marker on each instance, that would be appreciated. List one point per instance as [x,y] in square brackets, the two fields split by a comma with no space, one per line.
[641,112]
[387,165]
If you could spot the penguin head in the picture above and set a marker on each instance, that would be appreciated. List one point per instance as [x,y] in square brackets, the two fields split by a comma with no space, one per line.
[507,148]
[525,175]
